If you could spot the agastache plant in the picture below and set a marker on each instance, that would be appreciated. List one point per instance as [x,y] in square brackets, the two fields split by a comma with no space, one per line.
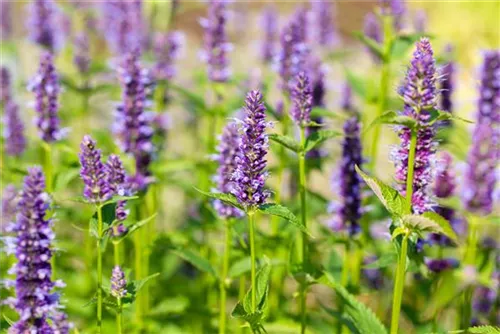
[217,47]
[37,304]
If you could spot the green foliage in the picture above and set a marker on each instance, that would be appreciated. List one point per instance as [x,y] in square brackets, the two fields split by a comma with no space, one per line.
[391,117]
[370,43]
[286,141]
[196,260]
[319,137]
[226,198]
[283,212]
[430,222]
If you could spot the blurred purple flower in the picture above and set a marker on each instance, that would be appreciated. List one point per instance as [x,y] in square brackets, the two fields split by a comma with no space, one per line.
[5,20]
[419,95]
[447,83]
[346,98]
[15,140]
[373,277]
[217,47]
[38,307]
[302,100]
[118,283]
[42,24]
[167,48]
[93,172]
[325,32]
[133,124]
[420,21]
[444,183]
[250,174]
[45,86]
[317,72]
[373,30]
[81,56]
[5,85]
[396,9]
[270,27]
[227,152]
[440,265]
[10,197]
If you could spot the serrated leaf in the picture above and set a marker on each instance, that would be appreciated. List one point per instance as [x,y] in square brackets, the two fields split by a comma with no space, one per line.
[261,286]
[344,320]
[441,115]
[392,118]
[398,231]
[131,228]
[446,228]
[363,318]
[318,137]
[478,330]
[226,198]
[389,197]
[370,43]
[283,212]
[286,141]
[430,222]
[196,260]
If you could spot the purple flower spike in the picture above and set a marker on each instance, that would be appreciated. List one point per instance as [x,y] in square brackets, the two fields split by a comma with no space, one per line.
[444,184]
[318,100]
[293,54]
[270,24]
[81,56]
[346,103]
[5,85]
[38,306]
[45,86]
[395,8]
[216,45]
[120,229]
[420,21]
[42,24]
[228,150]
[133,124]
[302,100]
[167,48]
[9,205]
[348,211]
[117,176]
[15,141]
[250,174]
[118,283]
[480,177]
[93,172]
[373,30]
[439,265]
[5,20]
[325,31]
[374,277]
[419,95]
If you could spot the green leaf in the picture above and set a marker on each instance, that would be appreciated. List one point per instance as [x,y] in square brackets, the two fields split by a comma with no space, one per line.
[118,199]
[283,212]
[397,232]
[389,197]
[240,267]
[478,330]
[318,137]
[441,115]
[357,84]
[226,198]
[363,318]
[430,222]
[444,224]
[196,260]
[322,112]
[391,117]
[131,228]
[134,287]
[343,319]
[65,177]
[370,43]
[286,141]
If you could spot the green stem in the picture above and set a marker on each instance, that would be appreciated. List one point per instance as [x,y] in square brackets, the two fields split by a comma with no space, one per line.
[399,285]
[251,227]
[138,265]
[116,253]
[119,318]
[47,167]
[224,278]
[385,76]
[411,168]
[99,269]
[303,215]
[344,281]
[469,260]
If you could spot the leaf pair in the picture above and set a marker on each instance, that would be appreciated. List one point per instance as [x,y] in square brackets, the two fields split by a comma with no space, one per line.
[312,141]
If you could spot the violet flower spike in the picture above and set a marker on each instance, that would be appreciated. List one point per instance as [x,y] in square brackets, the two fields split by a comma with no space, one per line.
[373,30]
[318,100]
[93,172]
[15,140]
[227,152]
[10,197]
[38,306]
[42,24]
[5,85]
[419,94]
[118,283]
[396,9]
[167,48]
[133,124]
[45,86]
[270,27]
[217,47]
[81,56]
[302,100]
[420,21]
[348,212]
[483,157]
[5,20]
[250,174]
[323,21]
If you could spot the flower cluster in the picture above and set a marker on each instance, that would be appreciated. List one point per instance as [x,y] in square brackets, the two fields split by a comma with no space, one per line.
[93,172]
[118,283]
[323,18]
[483,157]
[81,57]
[250,174]
[42,24]
[38,306]
[216,43]
[15,142]
[302,100]
[133,124]
[45,86]
[372,29]
[228,150]
[419,95]
[348,211]
[270,24]
[167,48]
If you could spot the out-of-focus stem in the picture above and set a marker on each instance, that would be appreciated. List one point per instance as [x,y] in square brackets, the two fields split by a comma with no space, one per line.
[138,255]
[303,215]
[251,227]
[411,168]
[222,283]
[399,286]
[99,269]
